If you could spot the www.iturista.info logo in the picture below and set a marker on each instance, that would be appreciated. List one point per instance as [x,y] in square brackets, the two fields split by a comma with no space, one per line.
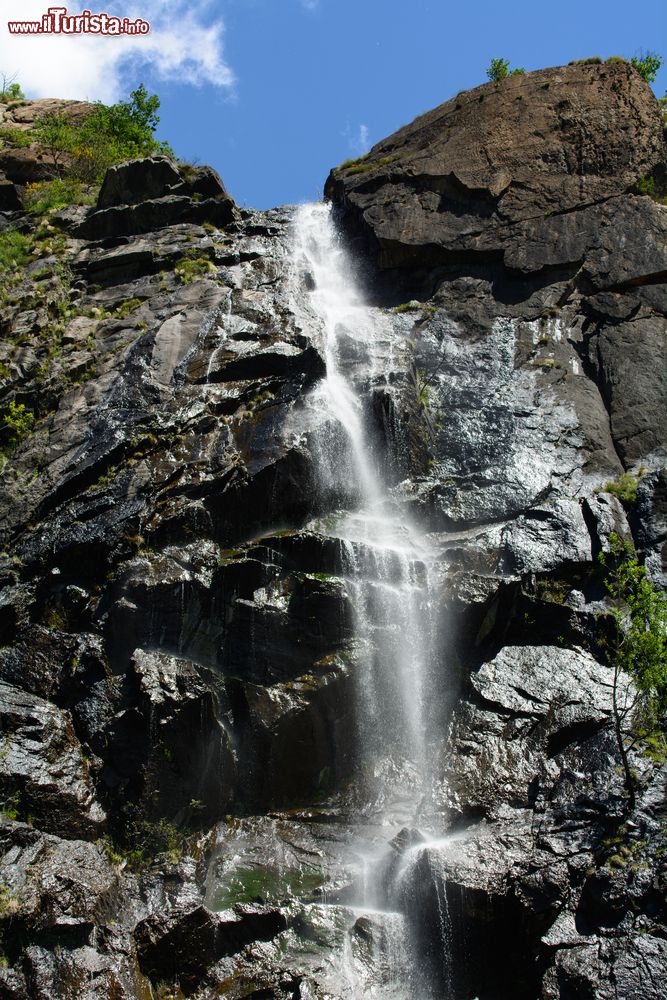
[57,21]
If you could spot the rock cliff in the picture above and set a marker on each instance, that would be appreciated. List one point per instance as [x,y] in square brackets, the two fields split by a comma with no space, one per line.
[181,789]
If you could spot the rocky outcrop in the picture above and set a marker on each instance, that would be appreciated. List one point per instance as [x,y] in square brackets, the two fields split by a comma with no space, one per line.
[180,661]
[23,164]
[142,196]
[517,171]
[521,192]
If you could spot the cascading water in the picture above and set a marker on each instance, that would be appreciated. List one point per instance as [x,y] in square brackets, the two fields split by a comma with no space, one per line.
[386,564]
[385,560]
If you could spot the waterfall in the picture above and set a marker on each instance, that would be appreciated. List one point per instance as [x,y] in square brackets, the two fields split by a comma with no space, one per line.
[386,563]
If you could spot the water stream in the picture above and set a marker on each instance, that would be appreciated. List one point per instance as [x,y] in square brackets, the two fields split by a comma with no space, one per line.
[387,566]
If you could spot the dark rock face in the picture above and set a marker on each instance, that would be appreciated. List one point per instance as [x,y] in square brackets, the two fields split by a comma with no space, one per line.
[138,180]
[180,662]
[142,196]
[508,172]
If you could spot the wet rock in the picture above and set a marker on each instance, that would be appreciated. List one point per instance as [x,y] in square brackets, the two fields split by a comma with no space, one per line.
[64,887]
[525,716]
[181,946]
[171,747]
[44,767]
[177,614]
[295,739]
[630,362]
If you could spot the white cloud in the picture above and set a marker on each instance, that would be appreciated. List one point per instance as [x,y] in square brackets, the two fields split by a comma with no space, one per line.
[310,4]
[185,45]
[357,138]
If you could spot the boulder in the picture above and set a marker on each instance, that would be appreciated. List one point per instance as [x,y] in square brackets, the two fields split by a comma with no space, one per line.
[180,946]
[139,180]
[43,770]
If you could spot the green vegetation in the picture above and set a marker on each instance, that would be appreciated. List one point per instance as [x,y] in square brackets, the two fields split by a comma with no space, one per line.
[424,390]
[168,991]
[615,59]
[548,363]
[350,163]
[193,265]
[266,883]
[127,307]
[625,488]
[10,90]
[45,197]
[362,165]
[647,65]
[638,652]
[14,250]
[500,69]
[18,138]
[18,423]
[11,807]
[9,904]
[144,842]
[83,149]
[644,185]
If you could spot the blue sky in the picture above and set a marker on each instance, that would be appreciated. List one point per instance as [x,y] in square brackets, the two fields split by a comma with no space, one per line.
[275,92]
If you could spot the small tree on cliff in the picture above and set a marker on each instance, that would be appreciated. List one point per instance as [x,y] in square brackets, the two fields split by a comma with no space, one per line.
[638,655]
[109,134]
[500,68]
[647,65]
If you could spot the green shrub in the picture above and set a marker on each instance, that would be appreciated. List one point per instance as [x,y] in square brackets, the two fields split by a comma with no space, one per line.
[193,266]
[10,91]
[615,59]
[424,390]
[54,134]
[9,903]
[85,148]
[127,307]
[45,197]
[625,488]
[352,163]
[498,70]
[146,841]
[647,65]
[362,166]
[589,61]
[638,651]
[644,185]
[18,422]
[14,250]
[17,138]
